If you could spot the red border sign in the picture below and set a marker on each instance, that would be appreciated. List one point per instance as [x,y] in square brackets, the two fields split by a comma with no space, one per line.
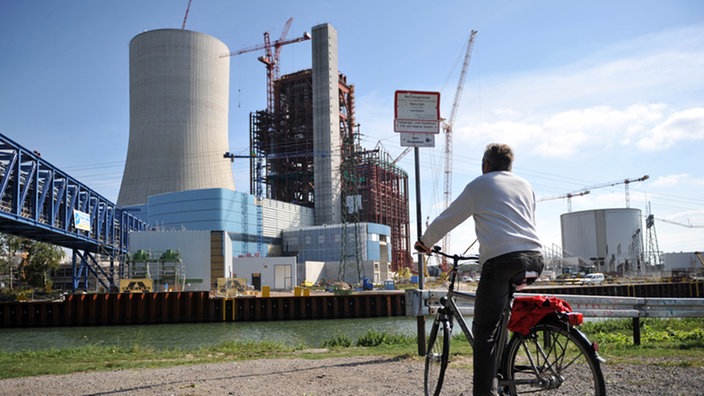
[417,112]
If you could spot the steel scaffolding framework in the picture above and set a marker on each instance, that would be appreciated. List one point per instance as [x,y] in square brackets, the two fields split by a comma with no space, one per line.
[284,140]
[384,190]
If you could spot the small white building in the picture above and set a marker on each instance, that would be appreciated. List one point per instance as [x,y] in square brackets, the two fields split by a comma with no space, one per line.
[279,273]
[205,255]
[347,253]
[681,262]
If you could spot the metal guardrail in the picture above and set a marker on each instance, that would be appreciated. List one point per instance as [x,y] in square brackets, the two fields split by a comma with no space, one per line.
[422,302]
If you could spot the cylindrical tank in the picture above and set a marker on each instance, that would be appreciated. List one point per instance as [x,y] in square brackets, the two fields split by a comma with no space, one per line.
[179,85]
[612,239]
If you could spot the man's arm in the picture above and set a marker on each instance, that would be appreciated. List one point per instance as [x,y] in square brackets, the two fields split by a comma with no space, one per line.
[420,247]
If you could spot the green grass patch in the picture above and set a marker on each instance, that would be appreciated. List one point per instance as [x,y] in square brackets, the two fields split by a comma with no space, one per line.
[669,342]
[660,338]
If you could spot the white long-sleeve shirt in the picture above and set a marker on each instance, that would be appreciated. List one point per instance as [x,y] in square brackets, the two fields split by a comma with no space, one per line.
[503,206]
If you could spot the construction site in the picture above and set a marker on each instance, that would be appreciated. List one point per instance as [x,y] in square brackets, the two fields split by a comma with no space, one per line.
[373,188]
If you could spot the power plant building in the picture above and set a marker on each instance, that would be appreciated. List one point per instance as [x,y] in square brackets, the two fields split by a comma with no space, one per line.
[358,185]
[314,182]
[611,239]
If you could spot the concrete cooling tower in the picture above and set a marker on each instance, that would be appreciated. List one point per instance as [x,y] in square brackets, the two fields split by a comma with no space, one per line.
[178,115]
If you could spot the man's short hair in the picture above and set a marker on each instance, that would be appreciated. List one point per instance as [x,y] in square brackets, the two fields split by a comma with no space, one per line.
[498,156]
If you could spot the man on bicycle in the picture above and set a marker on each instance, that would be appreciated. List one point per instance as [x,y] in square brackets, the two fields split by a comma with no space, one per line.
[503,206]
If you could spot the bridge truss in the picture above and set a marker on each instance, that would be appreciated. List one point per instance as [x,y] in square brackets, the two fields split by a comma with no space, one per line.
[40,202]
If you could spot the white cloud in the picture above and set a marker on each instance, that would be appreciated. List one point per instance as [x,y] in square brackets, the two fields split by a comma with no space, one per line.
[632,94]
[683,126]
[669,180]
[564,134]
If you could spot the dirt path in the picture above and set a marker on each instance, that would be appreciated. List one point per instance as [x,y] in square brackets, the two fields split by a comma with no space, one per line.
[339,376]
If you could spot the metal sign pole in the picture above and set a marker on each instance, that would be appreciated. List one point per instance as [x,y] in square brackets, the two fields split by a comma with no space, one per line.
[417,118]
[421,264]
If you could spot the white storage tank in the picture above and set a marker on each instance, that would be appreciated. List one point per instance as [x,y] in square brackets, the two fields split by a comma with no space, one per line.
[610,238]
[179,93]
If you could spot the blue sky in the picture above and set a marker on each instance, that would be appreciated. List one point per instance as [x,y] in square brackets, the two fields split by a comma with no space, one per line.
[585,92]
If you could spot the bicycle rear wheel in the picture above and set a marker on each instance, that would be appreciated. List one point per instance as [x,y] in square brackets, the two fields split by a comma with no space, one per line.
[436,357]
[552,359]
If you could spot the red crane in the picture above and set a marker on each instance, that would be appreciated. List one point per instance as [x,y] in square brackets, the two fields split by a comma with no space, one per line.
[271,58]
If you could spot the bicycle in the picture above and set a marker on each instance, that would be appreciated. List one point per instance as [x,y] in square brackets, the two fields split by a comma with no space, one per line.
[548,355]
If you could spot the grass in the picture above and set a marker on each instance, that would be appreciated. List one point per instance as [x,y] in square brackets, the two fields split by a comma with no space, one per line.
[668,342]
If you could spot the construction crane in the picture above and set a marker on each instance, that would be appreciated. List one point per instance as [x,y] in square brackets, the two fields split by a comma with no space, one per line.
[568,196]
[271,58]
[188,7]
[447,128]
[688,225]
[403,154]
[617,182]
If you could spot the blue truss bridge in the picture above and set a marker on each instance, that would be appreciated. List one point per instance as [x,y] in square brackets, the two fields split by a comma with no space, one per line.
[40,202]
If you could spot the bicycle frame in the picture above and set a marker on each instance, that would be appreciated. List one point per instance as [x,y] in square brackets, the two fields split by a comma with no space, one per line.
[542,364]
[448,305]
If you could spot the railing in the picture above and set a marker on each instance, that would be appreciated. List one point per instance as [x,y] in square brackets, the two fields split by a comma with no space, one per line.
[422,302]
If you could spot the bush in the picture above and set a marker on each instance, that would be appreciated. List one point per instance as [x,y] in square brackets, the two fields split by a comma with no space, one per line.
[338,341]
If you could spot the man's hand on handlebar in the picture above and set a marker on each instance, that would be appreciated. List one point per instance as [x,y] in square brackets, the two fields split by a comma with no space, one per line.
[420,247]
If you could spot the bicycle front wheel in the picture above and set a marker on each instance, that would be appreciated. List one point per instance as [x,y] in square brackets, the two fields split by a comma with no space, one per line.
[437,356]
[552,360]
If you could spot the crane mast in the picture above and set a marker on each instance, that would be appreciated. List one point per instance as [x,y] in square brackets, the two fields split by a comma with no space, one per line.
[447,127]
[271,58]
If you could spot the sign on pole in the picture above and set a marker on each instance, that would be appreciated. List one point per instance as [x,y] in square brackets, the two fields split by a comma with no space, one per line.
[417,119]
[417,139]
[417,112]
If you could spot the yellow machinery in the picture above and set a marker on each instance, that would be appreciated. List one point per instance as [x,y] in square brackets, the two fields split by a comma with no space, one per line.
[232,287]
[136,285]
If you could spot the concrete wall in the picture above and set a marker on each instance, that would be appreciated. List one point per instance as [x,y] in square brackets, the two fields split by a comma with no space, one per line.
[326,126]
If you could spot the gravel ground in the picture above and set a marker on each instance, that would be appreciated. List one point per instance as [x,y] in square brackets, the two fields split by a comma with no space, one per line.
[362,375]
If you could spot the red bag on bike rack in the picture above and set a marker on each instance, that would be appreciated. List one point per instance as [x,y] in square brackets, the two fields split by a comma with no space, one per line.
[527,311]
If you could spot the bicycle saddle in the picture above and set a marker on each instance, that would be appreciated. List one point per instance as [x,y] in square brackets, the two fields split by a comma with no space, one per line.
[529,278]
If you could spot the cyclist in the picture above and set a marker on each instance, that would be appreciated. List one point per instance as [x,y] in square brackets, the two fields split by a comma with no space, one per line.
[503,206]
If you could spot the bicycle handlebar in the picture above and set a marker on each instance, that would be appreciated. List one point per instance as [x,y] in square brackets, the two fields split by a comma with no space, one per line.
[455,257]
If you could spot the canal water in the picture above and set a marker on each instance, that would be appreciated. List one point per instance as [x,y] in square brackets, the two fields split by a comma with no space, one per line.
[193,335]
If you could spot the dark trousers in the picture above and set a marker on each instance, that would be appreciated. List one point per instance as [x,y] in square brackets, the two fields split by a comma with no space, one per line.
[497,277]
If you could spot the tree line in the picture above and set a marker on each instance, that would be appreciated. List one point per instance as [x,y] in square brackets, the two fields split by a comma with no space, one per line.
[26,262]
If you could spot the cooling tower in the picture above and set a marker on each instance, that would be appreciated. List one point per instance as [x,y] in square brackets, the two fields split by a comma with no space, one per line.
[179,85]
[326,126]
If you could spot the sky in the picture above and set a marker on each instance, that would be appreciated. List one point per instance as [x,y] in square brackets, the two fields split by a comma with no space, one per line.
[586,93]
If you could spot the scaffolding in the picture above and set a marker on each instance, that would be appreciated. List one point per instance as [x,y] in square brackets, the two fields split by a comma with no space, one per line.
[285,141]
[384,192]
[283,156]
[351,269]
